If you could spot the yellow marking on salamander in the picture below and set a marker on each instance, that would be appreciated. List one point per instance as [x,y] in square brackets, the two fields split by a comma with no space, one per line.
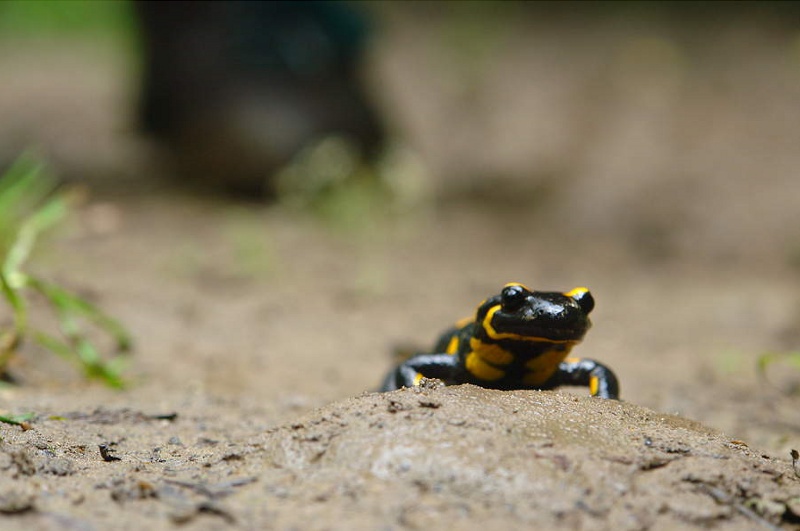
[594,384]
[494,334]
[574,292]
[480,369]
[417,379]
[494,354]
[541,368]
[452,346]
[520,284]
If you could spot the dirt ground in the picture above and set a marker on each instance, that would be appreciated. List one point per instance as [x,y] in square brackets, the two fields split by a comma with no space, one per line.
[651,160]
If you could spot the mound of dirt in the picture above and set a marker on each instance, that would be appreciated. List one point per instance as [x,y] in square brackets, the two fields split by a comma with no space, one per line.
[462,457]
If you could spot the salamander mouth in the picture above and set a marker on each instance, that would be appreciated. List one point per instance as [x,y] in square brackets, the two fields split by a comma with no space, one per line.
[540,320]
[553,334]
[525,331]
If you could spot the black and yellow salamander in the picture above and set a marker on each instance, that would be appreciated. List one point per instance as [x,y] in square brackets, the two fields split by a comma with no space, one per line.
[519,339]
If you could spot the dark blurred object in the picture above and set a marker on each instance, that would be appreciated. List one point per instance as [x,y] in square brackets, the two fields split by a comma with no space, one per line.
[235,89]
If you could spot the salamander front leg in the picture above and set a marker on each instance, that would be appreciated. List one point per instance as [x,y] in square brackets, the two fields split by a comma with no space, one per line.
[410,372]
[602,382]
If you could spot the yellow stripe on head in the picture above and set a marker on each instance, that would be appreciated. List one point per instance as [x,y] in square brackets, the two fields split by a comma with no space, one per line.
[494,334]
[520,284]
[576,292]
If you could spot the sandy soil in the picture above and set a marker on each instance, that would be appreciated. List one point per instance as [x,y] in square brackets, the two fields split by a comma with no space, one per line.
[655,163]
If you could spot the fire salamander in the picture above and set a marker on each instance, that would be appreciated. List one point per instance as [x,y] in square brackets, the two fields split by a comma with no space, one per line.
[519,339]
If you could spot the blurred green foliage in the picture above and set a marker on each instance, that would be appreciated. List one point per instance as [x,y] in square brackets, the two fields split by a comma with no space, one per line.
[331,180]
[335,182]
[66,17]
[784,364]
[18,420]
[30,205]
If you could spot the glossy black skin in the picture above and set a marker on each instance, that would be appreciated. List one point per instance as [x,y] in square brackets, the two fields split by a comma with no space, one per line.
[530,332]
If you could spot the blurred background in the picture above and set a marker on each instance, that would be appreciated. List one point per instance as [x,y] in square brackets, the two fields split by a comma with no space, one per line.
[406,161]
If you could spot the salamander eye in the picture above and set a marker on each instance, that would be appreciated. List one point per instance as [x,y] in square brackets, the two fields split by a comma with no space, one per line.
[512,298]
[583,298]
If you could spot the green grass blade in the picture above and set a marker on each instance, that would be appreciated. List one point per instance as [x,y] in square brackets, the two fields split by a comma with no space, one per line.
[22,185]
[23,188]
[770,358]
[94,367]
[18,420]
[10,339]
[17,303]
[85,355]
[67,302]
[55,345]
[44,218]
